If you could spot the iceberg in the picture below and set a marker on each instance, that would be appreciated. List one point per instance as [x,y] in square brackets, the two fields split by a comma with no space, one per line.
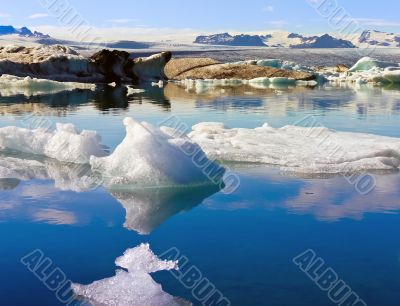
[296,149]
[134,285]
[368,63]
[157,157]
[64,144]
[11,85]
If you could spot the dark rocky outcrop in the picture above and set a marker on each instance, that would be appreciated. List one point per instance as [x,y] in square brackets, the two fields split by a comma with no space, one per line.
[225,39]
[326,41]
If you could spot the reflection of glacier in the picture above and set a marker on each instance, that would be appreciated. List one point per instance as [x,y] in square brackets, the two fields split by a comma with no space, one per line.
[146,209]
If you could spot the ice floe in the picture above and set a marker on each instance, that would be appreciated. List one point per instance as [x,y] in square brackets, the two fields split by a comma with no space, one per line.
[134,285]
[64,144]
[152,156]
[11,85]
[161,157]
[299,149]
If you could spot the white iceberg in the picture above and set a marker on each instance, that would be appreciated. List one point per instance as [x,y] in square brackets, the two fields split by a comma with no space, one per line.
[135,286]
[11,85]
[152,156]
[64,144]
[298,149]
[368,63]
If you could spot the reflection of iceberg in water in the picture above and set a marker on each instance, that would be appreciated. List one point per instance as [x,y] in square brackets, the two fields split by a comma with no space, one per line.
[146,209]
[73,177]
[59,103]
[134,285]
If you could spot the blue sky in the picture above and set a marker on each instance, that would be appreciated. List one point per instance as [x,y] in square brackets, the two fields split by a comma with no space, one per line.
[173,17]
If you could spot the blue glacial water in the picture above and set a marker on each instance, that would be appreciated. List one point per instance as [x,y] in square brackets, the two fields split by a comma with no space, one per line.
[243,242]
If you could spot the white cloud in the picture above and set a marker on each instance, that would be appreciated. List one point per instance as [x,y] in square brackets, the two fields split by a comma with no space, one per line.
[38,15]
[277,23]
[4,15]
[268,8]
[377,22]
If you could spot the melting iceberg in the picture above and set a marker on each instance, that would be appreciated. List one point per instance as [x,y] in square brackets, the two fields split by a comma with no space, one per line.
[11,85]
[299,149]
[64,144]
[135,286]
[152,156]
[368,63]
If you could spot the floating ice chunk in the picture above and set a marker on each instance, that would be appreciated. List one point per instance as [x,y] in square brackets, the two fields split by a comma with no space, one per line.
[12,85]
[392,76]
[368,63]
[159,84]
[132,91]
[275,63]
[299,149]
[134,287]
[152,156]
[306,83]
[282,80]
[64,144]
[259,81]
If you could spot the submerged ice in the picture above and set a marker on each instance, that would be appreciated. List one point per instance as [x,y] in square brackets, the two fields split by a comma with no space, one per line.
[299,149]
[134,285]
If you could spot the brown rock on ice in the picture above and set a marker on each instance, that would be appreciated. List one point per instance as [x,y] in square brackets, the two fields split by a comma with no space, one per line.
[341,68]
[245,72]
[178,66]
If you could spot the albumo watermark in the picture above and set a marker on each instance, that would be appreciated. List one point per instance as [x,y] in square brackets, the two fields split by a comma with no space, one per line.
[202,289]
[50,275]
[327,279]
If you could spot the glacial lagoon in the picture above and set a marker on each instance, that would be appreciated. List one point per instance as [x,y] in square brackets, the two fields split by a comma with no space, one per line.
[243,240]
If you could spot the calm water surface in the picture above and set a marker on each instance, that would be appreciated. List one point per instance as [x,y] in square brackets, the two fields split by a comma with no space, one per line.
[242,242]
